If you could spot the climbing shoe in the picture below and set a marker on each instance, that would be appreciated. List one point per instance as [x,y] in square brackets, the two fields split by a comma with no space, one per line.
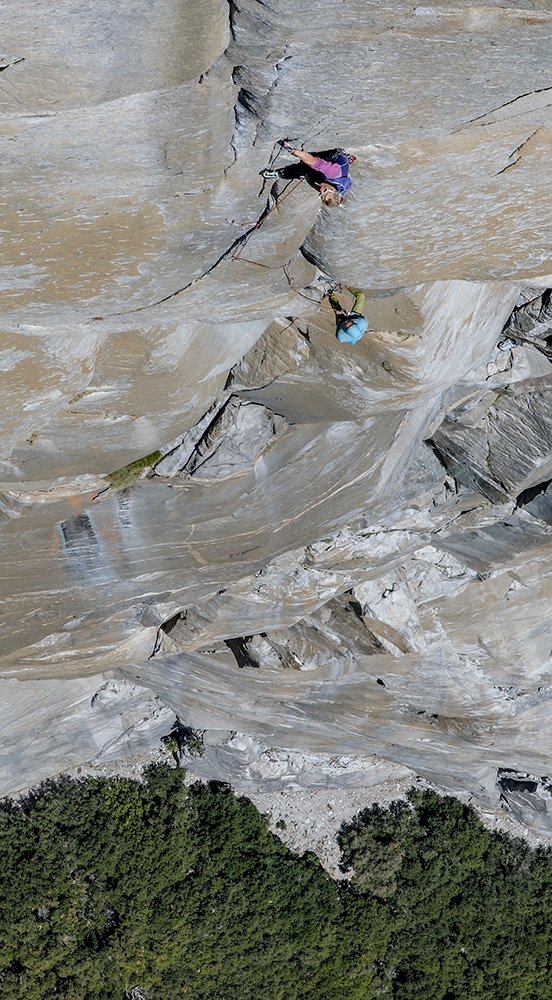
[507,343]
[325,284]
[268,174]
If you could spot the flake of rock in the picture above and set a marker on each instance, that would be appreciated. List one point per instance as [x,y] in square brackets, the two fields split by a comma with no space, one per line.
[329,634]
[500,443]
[263,653]
[177,454]
[538,502]
[528,797]
[531,320]
[282,348]
[497,544]
[99,719]
[389,610]
[239,433]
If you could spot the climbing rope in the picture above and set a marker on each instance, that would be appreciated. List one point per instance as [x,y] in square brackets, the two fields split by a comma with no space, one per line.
[245,239]
[296,290]
[237,257]
[277,148]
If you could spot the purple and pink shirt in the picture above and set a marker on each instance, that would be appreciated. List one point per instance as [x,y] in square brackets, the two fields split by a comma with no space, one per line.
[330,170]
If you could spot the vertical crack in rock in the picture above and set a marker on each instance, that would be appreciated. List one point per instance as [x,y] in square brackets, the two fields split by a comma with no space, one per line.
[232,11]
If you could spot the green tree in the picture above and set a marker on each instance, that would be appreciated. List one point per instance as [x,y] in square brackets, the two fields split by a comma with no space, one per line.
[112,887]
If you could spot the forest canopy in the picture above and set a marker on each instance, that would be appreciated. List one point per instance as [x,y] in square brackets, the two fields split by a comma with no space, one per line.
[122,889]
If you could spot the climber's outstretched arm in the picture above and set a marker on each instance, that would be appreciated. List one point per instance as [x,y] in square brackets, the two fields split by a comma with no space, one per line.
[307,158]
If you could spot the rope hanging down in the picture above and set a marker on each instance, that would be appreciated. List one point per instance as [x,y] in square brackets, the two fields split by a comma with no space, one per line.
[237,257]
[245,239]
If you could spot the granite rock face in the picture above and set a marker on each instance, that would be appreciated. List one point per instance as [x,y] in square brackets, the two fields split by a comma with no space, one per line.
[531,320]
[288,558]
[277,352]
[500,443]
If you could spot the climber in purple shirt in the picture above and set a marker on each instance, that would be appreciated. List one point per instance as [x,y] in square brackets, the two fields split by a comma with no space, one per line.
[330,176]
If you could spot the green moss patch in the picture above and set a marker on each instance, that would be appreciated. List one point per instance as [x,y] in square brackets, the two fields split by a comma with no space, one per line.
[129,473]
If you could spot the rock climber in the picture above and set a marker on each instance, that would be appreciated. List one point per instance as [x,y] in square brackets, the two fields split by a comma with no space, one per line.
[351,324]
[328,172]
